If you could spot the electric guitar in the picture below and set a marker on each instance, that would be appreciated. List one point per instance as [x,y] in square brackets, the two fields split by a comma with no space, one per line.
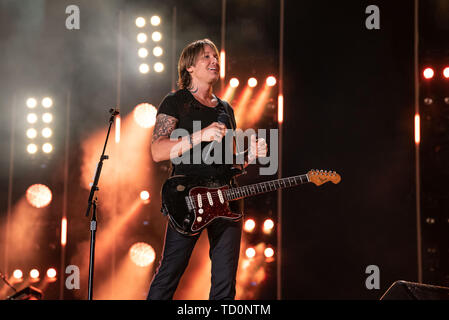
[191,207]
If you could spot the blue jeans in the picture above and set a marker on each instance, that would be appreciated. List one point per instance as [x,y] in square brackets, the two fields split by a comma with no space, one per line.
[224,239]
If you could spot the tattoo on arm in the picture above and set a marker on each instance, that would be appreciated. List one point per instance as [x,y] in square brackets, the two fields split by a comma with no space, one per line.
[164,126]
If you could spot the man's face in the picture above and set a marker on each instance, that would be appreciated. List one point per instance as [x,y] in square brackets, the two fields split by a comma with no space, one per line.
[206,67]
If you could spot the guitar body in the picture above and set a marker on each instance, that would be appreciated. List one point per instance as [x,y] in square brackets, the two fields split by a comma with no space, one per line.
[191,207]
[192,204]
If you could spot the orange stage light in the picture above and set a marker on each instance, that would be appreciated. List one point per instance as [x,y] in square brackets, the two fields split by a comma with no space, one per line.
[268,252]
[446,72]
[51,273]
[142,254]
[17,274]
[222,64]
[417,129]
[39,195]
[268,225]
[145,115]
[234,82]
[63,232]
[34,274]
[252,82]
[271,81]
[428,73]
[250,224]
[117,129]
[144,195]
[280,108]
[250,252]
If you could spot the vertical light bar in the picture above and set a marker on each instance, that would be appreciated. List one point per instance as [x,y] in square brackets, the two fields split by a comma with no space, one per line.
[223,46]
[222,64]
[280,108]
[417,157]
[279,265]
[63,232]
[417,129]
[117,128]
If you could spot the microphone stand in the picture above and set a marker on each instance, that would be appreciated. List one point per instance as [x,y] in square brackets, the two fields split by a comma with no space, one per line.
[92,204]
[2,276]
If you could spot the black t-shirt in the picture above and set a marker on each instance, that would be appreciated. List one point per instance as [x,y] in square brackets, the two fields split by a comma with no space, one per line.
[183,106]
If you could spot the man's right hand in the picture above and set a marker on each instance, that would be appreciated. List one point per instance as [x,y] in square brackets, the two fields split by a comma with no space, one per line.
[215,131]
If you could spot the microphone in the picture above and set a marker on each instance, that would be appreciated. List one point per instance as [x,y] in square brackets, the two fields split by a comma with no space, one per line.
[114,112]
[222,118]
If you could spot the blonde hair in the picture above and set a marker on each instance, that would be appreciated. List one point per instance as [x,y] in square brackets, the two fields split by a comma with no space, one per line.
[188,59]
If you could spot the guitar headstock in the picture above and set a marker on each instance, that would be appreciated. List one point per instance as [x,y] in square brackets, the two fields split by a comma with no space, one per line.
[319,177]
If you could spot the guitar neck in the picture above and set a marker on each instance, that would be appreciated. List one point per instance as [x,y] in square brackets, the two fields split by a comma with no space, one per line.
[263,187]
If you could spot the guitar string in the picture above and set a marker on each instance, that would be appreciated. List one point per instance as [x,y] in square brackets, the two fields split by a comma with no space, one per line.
[249,188]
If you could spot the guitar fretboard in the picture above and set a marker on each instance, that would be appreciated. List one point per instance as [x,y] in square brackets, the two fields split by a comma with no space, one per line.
[262,187]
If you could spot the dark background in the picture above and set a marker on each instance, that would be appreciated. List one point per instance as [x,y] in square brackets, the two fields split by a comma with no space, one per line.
[349,107]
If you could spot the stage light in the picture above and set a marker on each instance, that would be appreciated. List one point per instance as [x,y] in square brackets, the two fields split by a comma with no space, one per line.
[47,102]
[32,118]
[34,274]
[155,20]
[428,101]
[31,133]
[64,231]
[143,52]
[268,252]
[47,132]
[158,67]
[280,108]
[17,274]
[118,122]
[31,103]
[140,22]
[157,51]
[47,117]
[234,82]
[145,115]
[39,195]
[222,64]
[32,148]
[145,196]
[250,253]
[252,82]
[250,224]
[142,37]
[268,226]
[417,129]
[142,254]
[144,68]
[446,100]
[47,147]
[428,73]
[271,81]
[446,72]
[51,273]
[156,36]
